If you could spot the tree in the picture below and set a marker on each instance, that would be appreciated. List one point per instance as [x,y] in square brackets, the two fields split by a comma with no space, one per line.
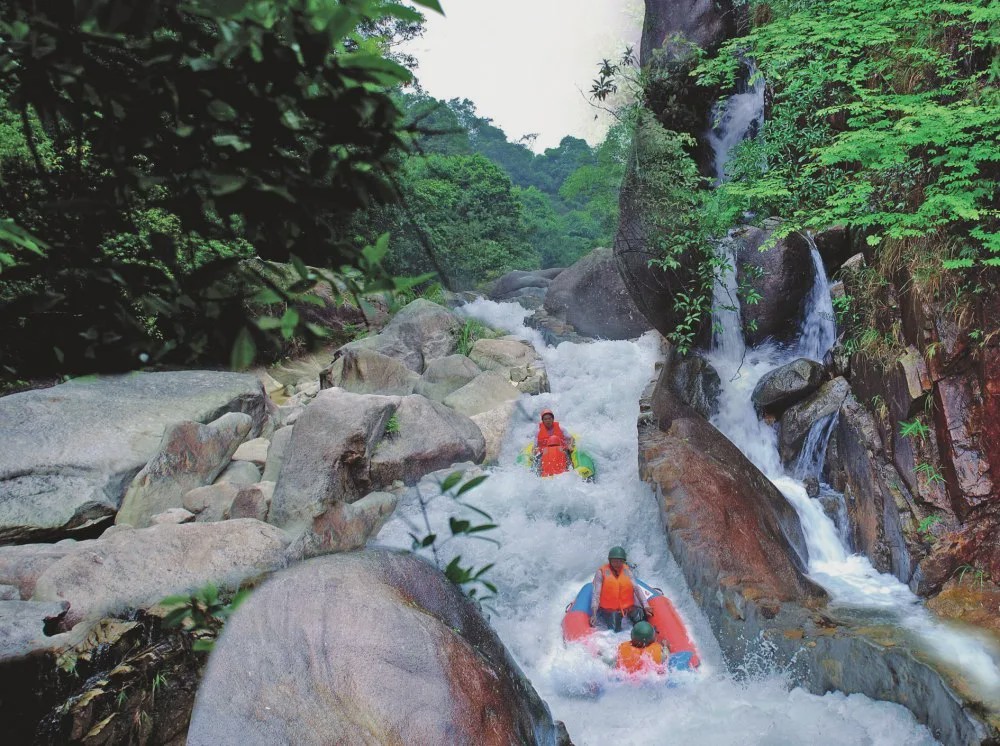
[236,121]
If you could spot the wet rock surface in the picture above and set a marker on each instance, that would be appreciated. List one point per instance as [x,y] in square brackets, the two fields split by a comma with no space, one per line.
[798,419]
[696,383]
[423,668]
[786,385]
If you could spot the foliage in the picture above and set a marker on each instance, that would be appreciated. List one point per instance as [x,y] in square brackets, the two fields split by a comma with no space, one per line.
[202,614]
[157,143]
[933,475]
[471,331]
[470,579]
[927,525]
[392,426]
[915,428]
[979,575]
[885,116]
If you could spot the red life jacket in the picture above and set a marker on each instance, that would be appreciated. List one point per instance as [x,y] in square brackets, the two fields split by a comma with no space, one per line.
[554,460]
[542,440]
[634,660]
[617,591]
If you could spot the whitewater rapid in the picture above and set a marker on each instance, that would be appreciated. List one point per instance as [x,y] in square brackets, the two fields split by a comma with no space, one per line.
[554,533]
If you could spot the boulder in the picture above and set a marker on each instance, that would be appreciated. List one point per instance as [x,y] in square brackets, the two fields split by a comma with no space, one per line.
[782,275]
[485,392]
[362,371]
[240,473]
[190,455]
[253,501]
[592,297]
[446,375]
[22,565]
[276,454]
[430,436]
[798,419]
[211,502]
[173,515]
[328,457]
[140,567]
[720,511]
[696,383]
[24,627]
[514,358]
[419,333]
[834,245]
[518,280]
[493,425]
[786,385]
[345,526]
[9,593]
[423,668]
[70,451]
[254,451]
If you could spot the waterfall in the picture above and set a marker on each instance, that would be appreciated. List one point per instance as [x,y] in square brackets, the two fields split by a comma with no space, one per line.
[819,327]
[810,460]
[737,118]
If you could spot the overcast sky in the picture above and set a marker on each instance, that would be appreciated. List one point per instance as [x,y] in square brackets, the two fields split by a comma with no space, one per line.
[525,62]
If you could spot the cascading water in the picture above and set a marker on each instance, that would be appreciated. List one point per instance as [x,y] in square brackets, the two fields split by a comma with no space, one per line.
[553,533]
[819,329]
[813,453]
[737,118]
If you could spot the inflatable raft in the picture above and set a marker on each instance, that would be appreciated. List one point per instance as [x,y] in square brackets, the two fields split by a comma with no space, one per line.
[670,630]
[580,462]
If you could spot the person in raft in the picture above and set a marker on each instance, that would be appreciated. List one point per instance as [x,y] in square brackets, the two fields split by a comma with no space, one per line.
[615,596]
[552,447]
[642,652]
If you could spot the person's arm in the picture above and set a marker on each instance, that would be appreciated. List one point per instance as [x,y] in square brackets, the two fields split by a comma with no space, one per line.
[637,596]
[596,599]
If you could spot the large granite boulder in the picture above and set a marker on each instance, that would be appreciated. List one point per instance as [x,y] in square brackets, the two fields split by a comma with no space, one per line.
[369,372]
[345,526]
[798,419]
[592,297]
[294,666]
[782,275]
[494,424]
[329,455]
[21,565]
[697,384]
[511,282]
[446,375]
[190,456]
[485,392]
[419,333]
[726,514]
[71,451]
[24,626]
[428,436]
[137,568]
[786,385]
[276,454]
[514,358]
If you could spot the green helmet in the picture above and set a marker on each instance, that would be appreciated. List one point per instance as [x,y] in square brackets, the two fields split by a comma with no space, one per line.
[643,632]
[617,553]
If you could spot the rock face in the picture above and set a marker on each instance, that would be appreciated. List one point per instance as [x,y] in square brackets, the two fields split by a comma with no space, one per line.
[419,333]
[136,568]
[720,507]
[71,451]
[486,391]
[782,275]
[517,280]
[493,425]
[696,383]
[446,375]
[191,455]
[23,625]
[345,526]
[515,359]
[423,668]
[430,436]
[784,386]
[327,459]
[368,372]
[592,297]
[799,419]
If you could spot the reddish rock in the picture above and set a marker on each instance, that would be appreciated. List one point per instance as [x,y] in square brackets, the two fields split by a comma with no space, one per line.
[957,416]
[727,514]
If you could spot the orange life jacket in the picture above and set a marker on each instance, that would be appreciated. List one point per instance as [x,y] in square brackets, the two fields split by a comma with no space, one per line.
[617,593]
[634,660]
[544,434]
[554,461]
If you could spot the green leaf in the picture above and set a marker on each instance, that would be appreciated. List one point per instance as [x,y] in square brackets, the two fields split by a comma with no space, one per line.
[451,480]
[432,4]
[471,484]
[244,350]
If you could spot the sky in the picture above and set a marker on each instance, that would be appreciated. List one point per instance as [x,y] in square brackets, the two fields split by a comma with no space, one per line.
[525,62]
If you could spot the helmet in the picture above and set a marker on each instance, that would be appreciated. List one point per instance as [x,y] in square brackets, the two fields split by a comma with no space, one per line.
[617,553]
[545,412]
[643,632]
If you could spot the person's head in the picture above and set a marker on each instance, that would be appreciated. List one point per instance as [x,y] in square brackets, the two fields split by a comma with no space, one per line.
[548,417]
[643,634]
[616,558]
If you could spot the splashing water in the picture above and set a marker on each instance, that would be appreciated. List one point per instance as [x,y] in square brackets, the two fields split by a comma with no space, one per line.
[819,330]
[555,532]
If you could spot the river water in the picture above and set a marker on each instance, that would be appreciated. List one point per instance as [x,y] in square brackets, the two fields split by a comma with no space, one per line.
[554,533]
